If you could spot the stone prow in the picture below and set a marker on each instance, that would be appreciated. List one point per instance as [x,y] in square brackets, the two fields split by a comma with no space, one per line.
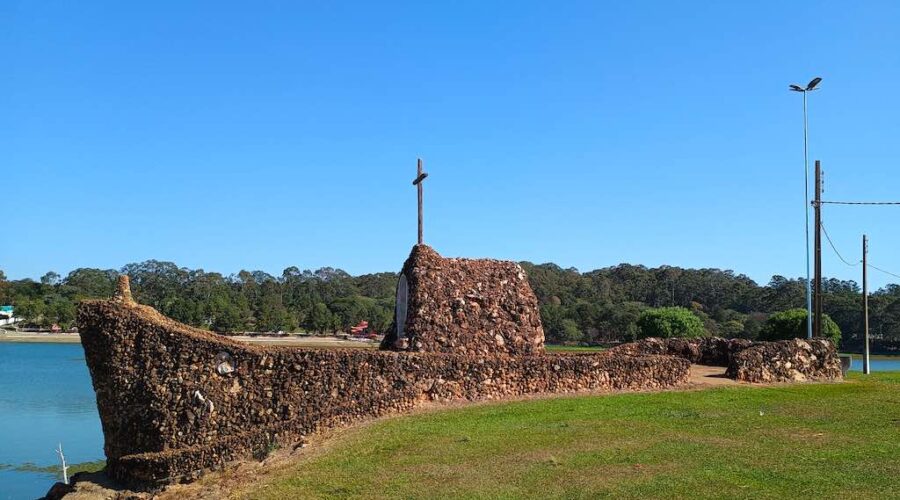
[175,400]
[123,290]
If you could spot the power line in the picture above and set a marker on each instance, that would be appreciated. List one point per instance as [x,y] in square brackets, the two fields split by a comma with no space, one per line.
[860,202]
[854,263]
[835,248]
[885,272]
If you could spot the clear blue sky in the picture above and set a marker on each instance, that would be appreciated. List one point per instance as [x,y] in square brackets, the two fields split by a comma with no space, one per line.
[229,136]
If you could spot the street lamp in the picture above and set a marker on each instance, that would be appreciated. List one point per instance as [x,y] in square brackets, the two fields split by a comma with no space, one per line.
[809,88]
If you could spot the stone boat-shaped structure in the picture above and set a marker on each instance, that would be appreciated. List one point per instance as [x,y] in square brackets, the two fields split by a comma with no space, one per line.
[175,400]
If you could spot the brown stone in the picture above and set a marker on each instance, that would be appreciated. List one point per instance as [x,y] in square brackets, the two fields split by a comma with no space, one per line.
[477,306]
[166,419]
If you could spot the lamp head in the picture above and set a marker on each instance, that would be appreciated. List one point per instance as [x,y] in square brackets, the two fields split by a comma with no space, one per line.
[812,83]
[796,88]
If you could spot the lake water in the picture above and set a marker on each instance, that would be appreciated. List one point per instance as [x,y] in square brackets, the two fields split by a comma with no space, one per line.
[46,398]
[876,365]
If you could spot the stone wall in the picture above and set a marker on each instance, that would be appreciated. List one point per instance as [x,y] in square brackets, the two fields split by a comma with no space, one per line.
[712,351]
[795,360]
[467,306]
[174,400]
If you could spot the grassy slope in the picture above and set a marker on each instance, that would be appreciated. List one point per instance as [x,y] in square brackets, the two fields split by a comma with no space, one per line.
[815,440]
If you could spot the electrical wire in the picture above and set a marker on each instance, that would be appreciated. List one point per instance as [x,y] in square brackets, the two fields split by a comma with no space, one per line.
[859,202]
[882,270]
[821,202]
[869,264]
[835,248]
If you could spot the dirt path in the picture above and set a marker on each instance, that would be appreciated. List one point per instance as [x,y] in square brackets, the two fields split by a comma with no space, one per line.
[710,376]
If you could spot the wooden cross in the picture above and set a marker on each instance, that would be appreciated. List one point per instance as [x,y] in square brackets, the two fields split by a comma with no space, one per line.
[418,183]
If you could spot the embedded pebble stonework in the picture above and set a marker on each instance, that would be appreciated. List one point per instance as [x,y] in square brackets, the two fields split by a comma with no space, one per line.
[175,401]
[466,306]
[712,351]
[796,360]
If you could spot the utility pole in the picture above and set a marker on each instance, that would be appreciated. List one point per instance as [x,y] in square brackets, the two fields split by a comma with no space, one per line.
[817,205]
[865,293]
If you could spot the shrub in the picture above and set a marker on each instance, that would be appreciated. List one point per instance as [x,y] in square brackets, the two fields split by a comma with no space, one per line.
[667,322]
[791,324]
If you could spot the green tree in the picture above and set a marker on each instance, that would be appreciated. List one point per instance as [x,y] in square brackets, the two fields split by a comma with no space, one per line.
[791,324]
[321,319]
[60,311]
[91,283]
[51,278]
[669,322]
[571,332]
[732,329]
[553,317]
[4,289]
[30,310]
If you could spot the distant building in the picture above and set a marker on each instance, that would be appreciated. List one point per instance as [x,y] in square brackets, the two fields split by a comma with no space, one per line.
[6,315]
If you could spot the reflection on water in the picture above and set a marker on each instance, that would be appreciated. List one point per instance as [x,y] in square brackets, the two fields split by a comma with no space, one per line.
[46,398]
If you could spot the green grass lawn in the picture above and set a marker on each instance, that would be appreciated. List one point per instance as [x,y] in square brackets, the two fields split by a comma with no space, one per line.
[797,441]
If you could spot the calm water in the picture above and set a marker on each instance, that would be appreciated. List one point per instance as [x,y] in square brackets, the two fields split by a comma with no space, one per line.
[877,365]
[45,398]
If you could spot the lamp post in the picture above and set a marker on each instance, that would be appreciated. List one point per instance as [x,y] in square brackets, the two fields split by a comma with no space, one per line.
[809,88]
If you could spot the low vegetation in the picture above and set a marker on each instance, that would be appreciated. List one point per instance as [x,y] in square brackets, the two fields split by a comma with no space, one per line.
[792,324]
[805,441]
[670,322]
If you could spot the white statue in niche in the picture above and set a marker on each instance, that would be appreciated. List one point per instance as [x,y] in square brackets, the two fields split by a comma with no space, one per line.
[400,312]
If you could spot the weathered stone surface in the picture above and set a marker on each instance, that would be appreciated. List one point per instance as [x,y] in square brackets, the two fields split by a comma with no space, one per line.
[795,360]
[713,351]
[170,410]
[467,306]
[783,361]
[175,401]
[59,490]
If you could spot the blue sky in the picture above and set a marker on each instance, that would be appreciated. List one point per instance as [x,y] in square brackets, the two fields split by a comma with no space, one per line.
[229,136]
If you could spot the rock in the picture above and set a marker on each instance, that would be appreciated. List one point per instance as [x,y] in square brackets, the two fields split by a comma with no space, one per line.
[797,360]
[462,305]
[59,490]
[712,351]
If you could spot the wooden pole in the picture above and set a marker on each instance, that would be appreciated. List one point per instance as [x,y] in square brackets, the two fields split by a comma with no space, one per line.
[865,293]
[419,189]
[418,183]
[817,324]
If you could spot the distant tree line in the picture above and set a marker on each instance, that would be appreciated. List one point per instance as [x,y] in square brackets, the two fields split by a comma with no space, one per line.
[322,301]
[606,305]
[600,306]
